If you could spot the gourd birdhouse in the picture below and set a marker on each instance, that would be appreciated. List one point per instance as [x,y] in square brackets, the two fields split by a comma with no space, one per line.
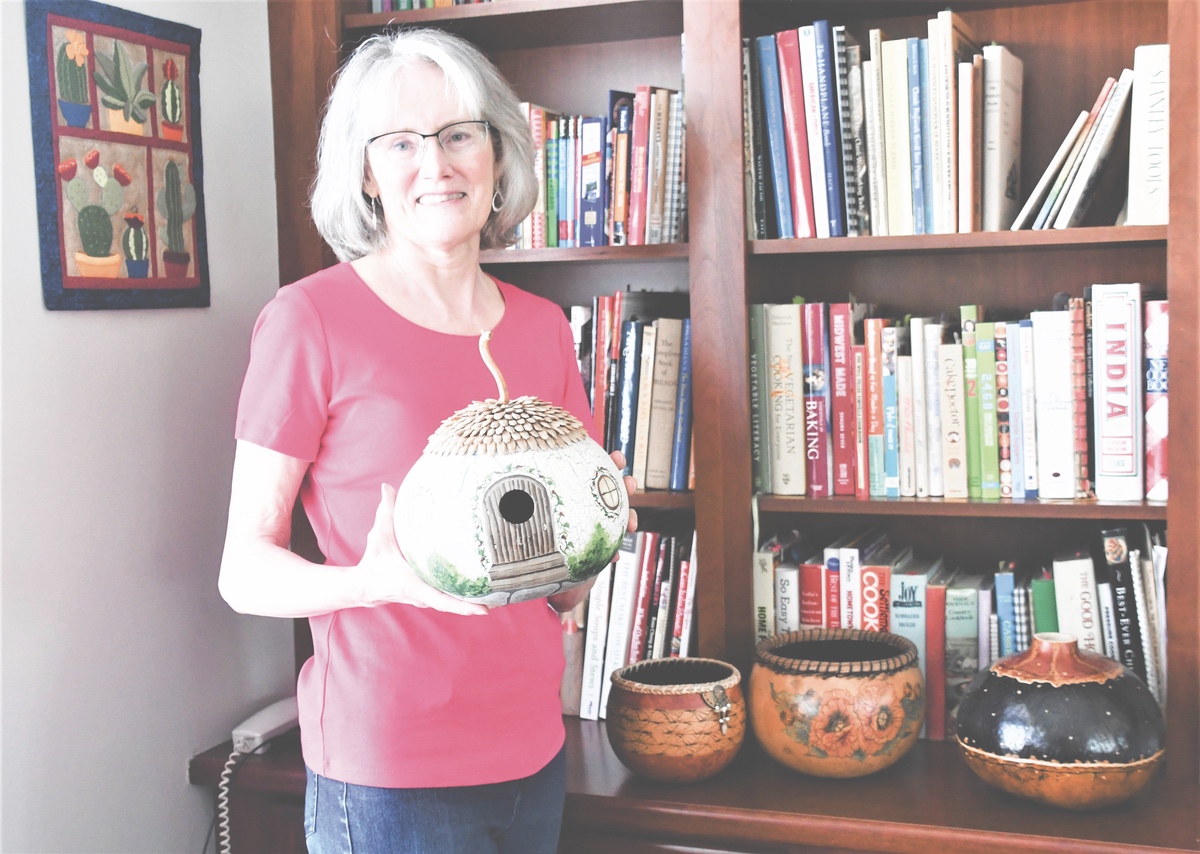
[511,500]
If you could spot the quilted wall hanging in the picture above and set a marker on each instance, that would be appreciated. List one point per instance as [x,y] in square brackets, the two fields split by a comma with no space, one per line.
[115,101]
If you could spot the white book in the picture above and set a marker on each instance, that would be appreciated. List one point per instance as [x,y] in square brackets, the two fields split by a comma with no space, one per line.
[787,598]
[897,143]
[957,43]
[933,407]
[851,554]
[1118,371]
[785,420]
[593,649]
[764,563]
[1054,403]
[876,162]
[1147,623]
[1028,410]
[620,612]
[1003,82]
[970,145]
[1075,599]
[920,420]
[954,420]
[1062,184]
[1159,562]
[1150,136]
[1092,161]
[1034,203]
[641,430]
[987,586]
[812,118]
[935,195]
[832,558]
[661,430]
[1108,615]
[689,604]
[907,426]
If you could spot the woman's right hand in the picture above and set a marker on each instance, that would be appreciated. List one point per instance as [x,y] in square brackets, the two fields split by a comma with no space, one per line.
[388,578]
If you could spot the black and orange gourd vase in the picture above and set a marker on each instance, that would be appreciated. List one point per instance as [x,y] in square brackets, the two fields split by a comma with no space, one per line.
[1062,726]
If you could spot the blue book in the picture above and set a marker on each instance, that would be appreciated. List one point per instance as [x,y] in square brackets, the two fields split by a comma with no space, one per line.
[620,117]
[831,137]
[681,446]
[768,66]
[926,137]
[915,135]
[593,192]
[1005,582]
[627,396]
[891,413]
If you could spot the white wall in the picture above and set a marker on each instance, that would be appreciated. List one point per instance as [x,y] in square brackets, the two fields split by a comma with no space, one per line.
[120,660]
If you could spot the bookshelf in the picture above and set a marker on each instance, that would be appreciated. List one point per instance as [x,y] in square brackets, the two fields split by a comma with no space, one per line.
[566,54]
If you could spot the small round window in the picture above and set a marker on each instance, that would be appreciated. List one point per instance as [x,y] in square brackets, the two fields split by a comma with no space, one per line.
[609,491]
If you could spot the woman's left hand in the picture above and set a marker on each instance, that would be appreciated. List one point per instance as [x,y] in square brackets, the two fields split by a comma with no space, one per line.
[568,599]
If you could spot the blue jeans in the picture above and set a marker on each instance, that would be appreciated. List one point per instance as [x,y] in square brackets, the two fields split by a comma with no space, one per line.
[518,817]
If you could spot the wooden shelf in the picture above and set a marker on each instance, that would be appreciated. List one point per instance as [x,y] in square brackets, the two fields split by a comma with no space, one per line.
[511,24]
[658,499]
[1143,511]
[981,240]
[928,801]
[591,254]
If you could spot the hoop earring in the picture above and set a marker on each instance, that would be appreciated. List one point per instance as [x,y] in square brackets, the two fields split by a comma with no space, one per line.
[497,201]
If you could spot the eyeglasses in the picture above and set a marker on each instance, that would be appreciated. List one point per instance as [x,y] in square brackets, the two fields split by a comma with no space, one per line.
[458,139]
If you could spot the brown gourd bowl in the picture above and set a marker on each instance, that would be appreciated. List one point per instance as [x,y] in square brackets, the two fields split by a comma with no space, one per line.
[676,719]
[836,702]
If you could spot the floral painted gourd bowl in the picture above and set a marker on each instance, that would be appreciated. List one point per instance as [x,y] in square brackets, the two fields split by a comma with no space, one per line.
[676,719]
[1062,726]
[836,702]
[511,500]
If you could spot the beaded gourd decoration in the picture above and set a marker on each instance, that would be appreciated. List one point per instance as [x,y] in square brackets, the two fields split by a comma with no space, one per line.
[511,500]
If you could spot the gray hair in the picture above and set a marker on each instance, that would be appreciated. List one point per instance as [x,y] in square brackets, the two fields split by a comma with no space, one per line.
[341,209]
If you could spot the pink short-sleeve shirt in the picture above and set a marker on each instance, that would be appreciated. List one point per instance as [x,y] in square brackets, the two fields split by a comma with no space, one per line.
[398,696]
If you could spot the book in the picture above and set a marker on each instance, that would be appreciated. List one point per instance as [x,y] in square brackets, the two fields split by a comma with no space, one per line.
[929,200]
[1045,609]
[1021,616]
[813,592]
[852,551]
[1119,571]
[612,386]
[842,319]
[620,117]
[1003,410]
[787,597]
[681,445]
[1154,637]
[674,190]
[786,416]
[1143,592]
[989,630]
[639,153]
[645,392]
[1155,341]
[663,400]
[876,161]
[862,492]
[1092,161]
[751,148]
[630,389]
[892,341]
[593,195]
[1029,451]
[962,640]
[952,401]
[684,611]
[1075,598]
[776,135]
[667,593]
[652,554]
[875,586]
[1003,83]
[830,134]
[1005,581]
[935,650]
[907,426]
[572,680]
[656,165]
[602,324]
[1081,410]
[764,562]
[969,316]
[1009,409]
[593,657]
[1054,402]
[897,149]
[626,575]
[818,450]
[1150,137]
[920,417]
[970,145]
[955,42]
[930,375]
[1025,217]
[1117,368]
[907,609]
[989,439]
[1057,194]
[814,185]
[550,161]
[760,401]
[875,428]
[851,116]
[916,134]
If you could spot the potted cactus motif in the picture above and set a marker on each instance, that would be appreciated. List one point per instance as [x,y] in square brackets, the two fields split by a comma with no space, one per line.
[70,75]
[171,102]
[95,220]
[136,245]
[120,82]
[177,201]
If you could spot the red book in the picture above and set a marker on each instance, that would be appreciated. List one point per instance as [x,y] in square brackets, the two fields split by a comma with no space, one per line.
[862,475]
[935,655]
[1154,342]
[638,150]
[651,563]
[813,596]
[795,132]
[875,587]
[537,218]
[841,388]
[681,599]
[817,451]
[601,330]
[1079,388]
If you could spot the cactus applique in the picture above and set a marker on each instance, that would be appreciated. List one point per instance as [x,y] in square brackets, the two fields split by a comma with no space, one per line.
[136,245]
[169,98]
[120,82]
[178,200]
[70,69]
[94,220]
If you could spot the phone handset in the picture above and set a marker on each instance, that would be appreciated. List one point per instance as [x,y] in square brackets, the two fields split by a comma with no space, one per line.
[264,725]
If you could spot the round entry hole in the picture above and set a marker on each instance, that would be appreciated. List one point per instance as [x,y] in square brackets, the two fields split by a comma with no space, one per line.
[516,507]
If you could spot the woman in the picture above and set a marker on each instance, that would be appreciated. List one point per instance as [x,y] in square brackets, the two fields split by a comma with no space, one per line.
[427,723]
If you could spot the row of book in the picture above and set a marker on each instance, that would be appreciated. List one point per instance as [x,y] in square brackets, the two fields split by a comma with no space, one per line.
[635,354]
[1072,174]
[962,620]
[641,607]
[1062,404]
[610,180]
[406,5]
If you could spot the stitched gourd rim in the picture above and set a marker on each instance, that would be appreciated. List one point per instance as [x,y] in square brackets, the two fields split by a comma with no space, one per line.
[627,677]
[767,653]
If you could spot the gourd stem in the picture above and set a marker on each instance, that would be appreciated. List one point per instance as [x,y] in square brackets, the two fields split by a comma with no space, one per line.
[501,386]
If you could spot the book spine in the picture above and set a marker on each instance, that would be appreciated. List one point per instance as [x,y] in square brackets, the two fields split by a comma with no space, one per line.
[641,433]
[660,571]
[846,127]
[661,430]
[907,426]
[954,421]
[842,399]
[1156,339]
[626,575]
[834,603]
[969,315]
[907,615]
[1150,137]
[1004,431]
[680,605]
[777,149]
[1079,397]
[1015,334]
[656,167]
[602,315]
[916,135]
[927,170]
[627,398]
[817,451]
[862,477]
[639,148]
[765,224]
[592,196]
[875,595]
[1054,401]
[537,129]
[689,603]
[830,135]
[1075,598]
[1029,451]
[1091,165]
[876,162]
[1117,368]
[935,648]
[1045,610]
[787,598]
[875,416]
[989,444]
[933,408]
[749,166]
[759,401]
[891,411]
[897,145]
[1005,612]
[764,594]
[920,409]
[1120,571]
[786,418]
[612,391]
[550,142]
[664,621]
[593,656]
[962,646]
[1003,77]
[681,446]
[814,176]
[674,164]
[812,595]
[1057,196]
